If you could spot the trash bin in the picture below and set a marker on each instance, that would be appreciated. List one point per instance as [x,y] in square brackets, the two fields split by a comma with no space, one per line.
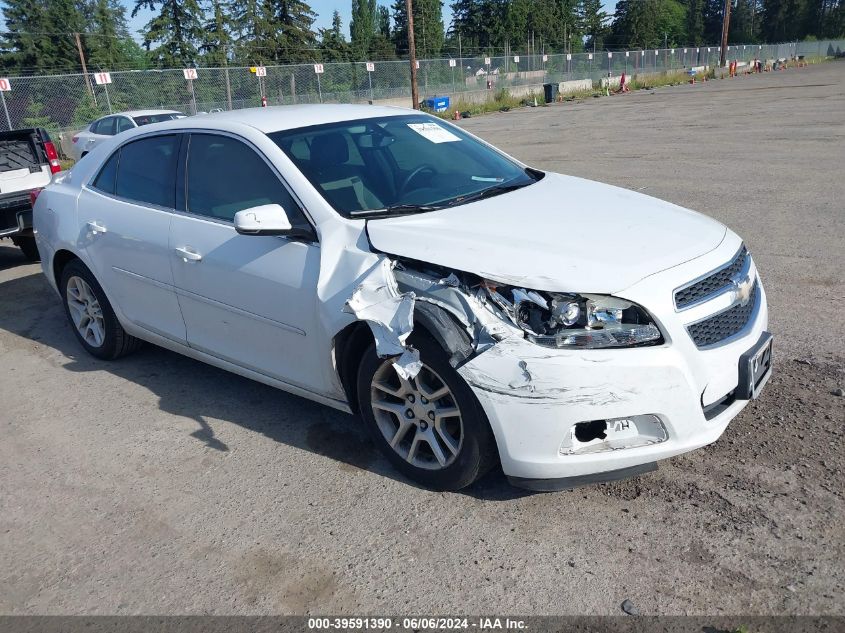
[436,104]
[551,92]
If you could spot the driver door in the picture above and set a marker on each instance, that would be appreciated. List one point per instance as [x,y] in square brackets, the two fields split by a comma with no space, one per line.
[250,300]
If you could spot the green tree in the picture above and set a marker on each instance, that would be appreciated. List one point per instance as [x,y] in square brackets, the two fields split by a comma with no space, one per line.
[383,21]
[695,22]
[291,22]
[176,31]
[217,41]
[362,26]
[648,23]
[108,35]
[429,34]
[27,48]
[37,117]
[593,22]
[333,46]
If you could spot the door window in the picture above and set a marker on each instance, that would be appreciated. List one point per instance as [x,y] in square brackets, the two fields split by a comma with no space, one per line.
[123,124]
[147,170]
[225,176]
[106,126]
[105,179]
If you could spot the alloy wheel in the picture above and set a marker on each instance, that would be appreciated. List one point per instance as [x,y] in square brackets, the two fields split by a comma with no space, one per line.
[85,311]
[419,417]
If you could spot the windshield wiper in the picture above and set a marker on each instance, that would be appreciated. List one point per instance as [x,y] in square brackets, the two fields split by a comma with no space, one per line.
[489,193]
[397,209]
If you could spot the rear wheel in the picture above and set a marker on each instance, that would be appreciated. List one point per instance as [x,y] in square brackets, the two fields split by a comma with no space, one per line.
[430,427]
[28,247]
[91,316]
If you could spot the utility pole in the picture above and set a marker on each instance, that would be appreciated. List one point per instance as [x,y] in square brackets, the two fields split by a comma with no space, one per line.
[84,66]
[726,21]
[412,56]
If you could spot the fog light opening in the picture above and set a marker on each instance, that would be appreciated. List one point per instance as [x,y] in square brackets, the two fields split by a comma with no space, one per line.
[589,431]
[613,434]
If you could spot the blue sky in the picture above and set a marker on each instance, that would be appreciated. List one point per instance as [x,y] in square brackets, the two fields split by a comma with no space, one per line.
[323,9]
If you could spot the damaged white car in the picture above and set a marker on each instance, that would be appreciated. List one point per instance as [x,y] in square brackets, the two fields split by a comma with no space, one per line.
[472,309]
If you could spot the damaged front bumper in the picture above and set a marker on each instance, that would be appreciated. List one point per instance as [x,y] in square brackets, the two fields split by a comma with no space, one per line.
[569,418]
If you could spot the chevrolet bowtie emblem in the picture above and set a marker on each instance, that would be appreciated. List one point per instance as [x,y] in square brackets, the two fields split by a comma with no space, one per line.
[743,285]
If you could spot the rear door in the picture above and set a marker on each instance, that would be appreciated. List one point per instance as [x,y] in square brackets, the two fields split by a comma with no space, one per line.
[100,130]
[250,300]
[125,215]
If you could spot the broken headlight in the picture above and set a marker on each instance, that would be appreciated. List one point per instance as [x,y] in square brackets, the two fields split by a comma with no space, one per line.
[576,321]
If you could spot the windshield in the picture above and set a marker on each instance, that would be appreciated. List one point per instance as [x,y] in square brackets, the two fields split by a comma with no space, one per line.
[398,165]
[146,119]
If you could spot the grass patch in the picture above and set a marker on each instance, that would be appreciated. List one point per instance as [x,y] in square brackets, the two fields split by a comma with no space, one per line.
[502,101]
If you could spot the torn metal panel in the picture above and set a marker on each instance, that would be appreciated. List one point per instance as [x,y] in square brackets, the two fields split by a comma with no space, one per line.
[484,322]
[390,315]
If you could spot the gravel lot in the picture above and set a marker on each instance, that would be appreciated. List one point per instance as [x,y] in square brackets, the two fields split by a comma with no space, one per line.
[157,484]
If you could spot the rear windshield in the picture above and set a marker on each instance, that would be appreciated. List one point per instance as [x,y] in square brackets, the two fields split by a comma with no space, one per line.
[399,162]
[146,119]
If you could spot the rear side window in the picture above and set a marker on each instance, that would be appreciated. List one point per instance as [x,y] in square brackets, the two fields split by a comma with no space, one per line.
[225,176]
[147,170]
[106,126]
[105,179]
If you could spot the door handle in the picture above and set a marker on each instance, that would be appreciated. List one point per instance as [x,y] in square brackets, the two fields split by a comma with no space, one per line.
[96,227]
[188,255]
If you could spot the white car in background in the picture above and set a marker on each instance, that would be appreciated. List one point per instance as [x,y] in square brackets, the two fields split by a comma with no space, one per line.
[384,262]
[106,127]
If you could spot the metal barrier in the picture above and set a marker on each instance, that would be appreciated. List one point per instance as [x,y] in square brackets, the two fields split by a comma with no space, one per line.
[64,102]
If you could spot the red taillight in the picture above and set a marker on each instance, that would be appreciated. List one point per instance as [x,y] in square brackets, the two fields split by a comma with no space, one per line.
[33,196]
[74,139]
[53,157]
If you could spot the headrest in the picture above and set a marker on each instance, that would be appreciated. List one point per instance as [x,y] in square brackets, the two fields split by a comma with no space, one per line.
[330,148]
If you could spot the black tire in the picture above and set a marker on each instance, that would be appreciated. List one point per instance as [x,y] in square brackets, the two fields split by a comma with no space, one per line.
[116,342]
[477,452]
[28,247]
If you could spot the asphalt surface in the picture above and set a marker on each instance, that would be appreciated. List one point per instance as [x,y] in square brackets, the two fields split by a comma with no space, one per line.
[159,485]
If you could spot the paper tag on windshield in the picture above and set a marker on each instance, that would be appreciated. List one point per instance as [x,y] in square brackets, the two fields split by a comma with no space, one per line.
[433,132]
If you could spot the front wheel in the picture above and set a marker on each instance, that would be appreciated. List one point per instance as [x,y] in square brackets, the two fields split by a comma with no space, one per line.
[431,427]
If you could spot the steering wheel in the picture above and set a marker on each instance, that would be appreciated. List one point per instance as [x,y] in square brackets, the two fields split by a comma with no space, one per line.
[409,179]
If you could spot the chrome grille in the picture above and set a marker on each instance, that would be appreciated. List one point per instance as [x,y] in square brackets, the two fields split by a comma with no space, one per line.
[711,285]
[725,324]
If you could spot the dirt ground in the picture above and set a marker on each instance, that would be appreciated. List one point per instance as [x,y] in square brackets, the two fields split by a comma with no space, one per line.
[159,485]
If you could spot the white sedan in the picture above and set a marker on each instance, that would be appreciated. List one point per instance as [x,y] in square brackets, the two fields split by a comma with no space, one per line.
[471,309]
[104,128]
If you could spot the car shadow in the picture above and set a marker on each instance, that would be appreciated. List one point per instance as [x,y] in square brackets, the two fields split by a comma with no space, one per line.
[194,390]
[10,255]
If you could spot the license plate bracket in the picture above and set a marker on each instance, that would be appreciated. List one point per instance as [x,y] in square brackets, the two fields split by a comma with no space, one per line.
[755,368]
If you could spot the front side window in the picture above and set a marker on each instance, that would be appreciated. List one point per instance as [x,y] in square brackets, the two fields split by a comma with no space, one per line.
[402,164]
[225,176]
[147,170]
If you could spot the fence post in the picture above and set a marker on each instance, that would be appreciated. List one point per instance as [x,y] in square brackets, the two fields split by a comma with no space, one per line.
[5,109]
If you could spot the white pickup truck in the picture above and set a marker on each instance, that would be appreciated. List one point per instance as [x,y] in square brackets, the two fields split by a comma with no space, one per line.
[28,160]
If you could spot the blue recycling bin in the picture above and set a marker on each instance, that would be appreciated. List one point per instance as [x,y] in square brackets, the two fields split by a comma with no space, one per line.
[437,104]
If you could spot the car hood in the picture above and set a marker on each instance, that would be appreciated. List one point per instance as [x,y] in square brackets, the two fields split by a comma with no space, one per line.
[562,234]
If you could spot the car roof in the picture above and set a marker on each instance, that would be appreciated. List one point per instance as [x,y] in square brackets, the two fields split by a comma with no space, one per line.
[134,113]
[278,118]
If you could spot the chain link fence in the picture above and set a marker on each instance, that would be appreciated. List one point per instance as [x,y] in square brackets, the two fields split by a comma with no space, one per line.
[69,102]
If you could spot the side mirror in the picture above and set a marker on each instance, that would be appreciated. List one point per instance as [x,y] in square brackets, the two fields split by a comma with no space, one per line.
[267,219]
